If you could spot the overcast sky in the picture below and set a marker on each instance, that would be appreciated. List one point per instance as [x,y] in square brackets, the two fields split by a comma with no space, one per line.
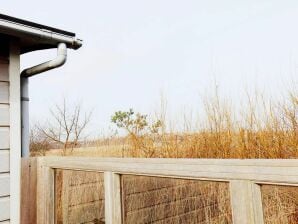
[135,49]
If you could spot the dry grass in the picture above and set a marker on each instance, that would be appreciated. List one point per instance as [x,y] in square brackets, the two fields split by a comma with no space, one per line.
[260,129]
[280,204]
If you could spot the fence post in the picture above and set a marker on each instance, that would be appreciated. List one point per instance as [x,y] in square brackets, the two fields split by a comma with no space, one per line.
[112,198]
[45,193]
[246,202]
[28,191]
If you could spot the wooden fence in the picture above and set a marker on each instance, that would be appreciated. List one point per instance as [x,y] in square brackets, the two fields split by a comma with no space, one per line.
[245,178]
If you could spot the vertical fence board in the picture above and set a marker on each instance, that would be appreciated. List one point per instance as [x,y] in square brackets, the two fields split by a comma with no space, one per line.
[28,191]
[112,198]
[257,203]
[45,194]
[65,196]
[245,199]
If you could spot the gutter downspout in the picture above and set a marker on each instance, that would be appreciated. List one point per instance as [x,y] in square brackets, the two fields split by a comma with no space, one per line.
[25,74]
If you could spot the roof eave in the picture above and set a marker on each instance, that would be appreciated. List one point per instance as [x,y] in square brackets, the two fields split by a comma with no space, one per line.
[37,38]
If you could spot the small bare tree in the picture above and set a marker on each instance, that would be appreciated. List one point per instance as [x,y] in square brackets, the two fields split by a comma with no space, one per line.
[66,126]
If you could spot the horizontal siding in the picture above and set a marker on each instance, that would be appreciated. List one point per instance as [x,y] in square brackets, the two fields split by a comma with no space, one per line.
[4,185]
[4,142]
[4,115]
[4,92]
[4,70]
[4,209]
[4,161]
[4,138]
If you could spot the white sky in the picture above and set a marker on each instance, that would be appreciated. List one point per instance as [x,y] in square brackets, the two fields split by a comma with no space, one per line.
[135,49]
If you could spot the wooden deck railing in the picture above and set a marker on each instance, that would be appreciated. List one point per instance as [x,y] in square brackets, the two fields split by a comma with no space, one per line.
[244,177]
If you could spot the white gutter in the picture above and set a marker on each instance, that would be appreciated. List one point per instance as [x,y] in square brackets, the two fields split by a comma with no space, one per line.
[55,63]
[40,34]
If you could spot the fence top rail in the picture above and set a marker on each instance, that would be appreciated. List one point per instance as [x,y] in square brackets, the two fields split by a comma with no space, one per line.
[275,171]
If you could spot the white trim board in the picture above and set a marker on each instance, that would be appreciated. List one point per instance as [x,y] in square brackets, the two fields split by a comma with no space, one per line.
[15,131]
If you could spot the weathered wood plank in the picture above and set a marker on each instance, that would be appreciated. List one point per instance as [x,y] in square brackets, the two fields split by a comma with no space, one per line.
[4,161]
[4,185]
[85,194]
[272,171]
[45,194]
[257,203]
[4,208]
[165,161]
[245,201]
[4,115]
[85,212]
[28,191]
[82,194]
[4,138]
[112,198]
[4,92]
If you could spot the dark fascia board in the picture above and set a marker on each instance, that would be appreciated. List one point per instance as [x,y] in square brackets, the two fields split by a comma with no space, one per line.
[36,25]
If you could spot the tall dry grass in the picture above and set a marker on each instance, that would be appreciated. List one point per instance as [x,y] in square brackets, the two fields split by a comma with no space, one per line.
[261,128]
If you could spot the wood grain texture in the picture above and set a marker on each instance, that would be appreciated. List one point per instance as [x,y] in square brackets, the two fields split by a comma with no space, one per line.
[112,198]
[4,185]
[79,196]
[4,138]
[283,171]
[28,191]
[4,115]
[169,200]
[243,203]
[45,211]
[4,208]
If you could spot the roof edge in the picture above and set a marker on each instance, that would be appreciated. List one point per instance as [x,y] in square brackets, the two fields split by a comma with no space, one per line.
[44,37]
[36,25]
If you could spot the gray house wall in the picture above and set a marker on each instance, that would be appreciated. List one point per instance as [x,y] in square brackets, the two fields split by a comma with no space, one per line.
[4,135]
[10,131]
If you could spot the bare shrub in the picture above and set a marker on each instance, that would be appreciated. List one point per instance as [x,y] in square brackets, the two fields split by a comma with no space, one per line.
[66,126]
[39,145]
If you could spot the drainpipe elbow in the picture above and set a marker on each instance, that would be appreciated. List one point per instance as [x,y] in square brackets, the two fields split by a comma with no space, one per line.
[49,65]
